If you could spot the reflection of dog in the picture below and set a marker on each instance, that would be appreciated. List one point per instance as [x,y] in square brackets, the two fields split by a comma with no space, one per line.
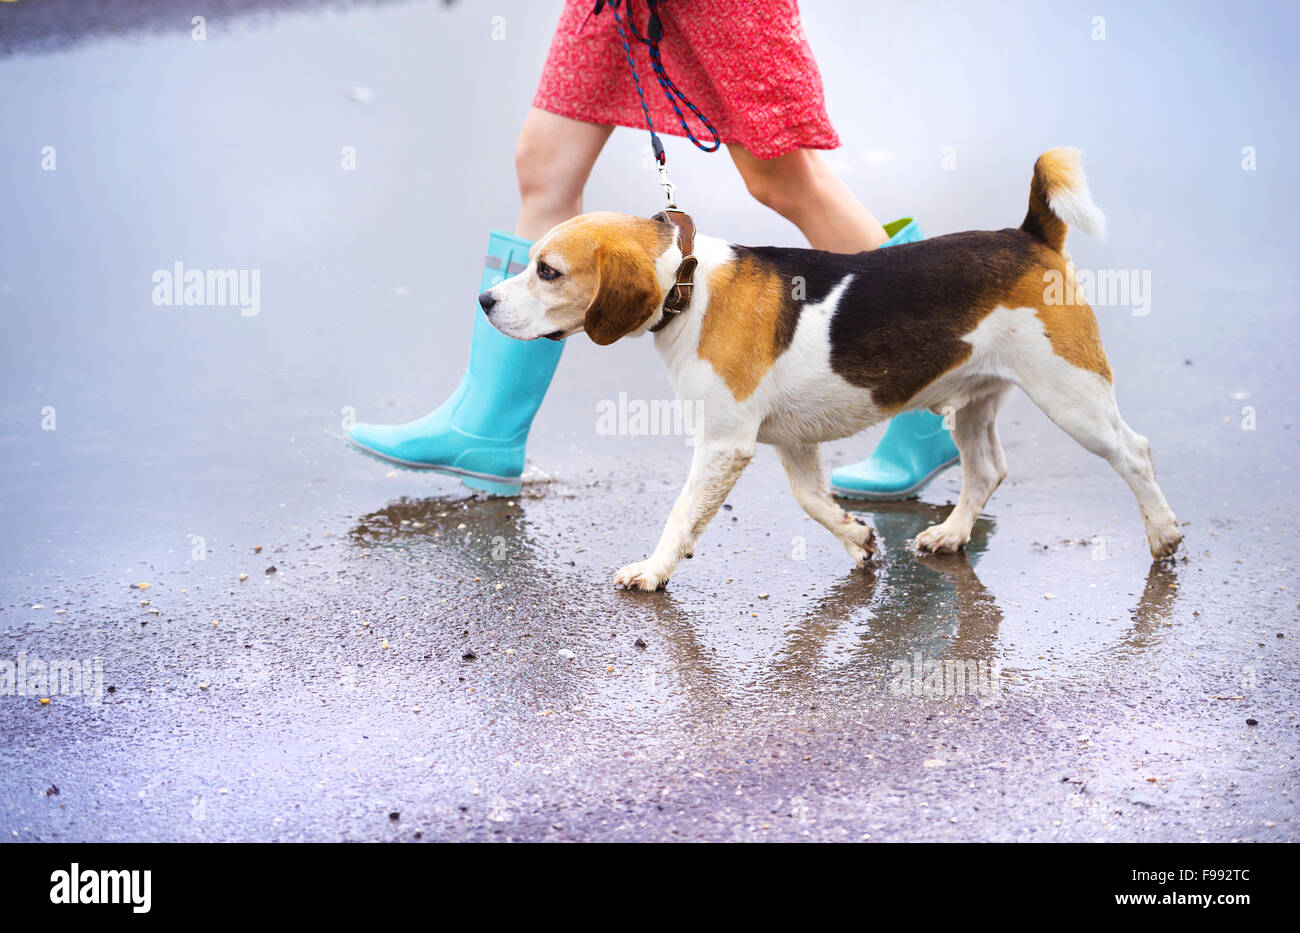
[793,347]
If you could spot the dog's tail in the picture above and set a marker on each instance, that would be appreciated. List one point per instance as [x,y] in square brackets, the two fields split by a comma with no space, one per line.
[1059,199]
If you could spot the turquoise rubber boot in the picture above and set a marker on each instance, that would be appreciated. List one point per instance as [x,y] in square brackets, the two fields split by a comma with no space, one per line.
[478,435]
[916,447]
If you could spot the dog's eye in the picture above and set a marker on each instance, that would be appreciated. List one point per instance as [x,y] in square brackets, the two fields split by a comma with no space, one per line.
[546,272]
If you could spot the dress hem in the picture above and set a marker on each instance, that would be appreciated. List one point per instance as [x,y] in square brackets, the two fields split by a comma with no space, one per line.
[778,144]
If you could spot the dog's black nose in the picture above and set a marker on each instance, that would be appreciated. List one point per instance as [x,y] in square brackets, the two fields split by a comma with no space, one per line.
[486,301]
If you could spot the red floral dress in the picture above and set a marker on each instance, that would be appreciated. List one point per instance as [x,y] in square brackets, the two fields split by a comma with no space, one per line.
[746,65]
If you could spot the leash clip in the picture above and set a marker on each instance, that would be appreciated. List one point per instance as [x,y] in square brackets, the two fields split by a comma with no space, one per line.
[670,191]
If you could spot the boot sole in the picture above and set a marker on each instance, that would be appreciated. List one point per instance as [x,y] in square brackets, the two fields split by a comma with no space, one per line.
[908,493]
[483,482]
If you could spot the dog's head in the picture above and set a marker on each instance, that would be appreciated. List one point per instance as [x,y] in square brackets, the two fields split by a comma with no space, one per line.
[595,273]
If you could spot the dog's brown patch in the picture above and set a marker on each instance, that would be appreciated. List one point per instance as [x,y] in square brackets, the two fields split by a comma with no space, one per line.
[747,324]
[626,292]
[1071,328]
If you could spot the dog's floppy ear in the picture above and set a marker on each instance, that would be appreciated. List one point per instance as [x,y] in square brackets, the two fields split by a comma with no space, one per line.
[627,292]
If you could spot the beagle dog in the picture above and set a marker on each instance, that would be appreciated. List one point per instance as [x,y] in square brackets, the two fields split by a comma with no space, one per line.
[793,347]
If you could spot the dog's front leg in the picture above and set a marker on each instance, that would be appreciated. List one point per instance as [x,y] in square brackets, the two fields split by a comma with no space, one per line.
[803,466]
[714,470]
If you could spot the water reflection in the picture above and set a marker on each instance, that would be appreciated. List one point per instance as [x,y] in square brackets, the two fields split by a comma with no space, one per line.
[1154,609]
[935,606]
[484,553]
[852,636]
[471,534]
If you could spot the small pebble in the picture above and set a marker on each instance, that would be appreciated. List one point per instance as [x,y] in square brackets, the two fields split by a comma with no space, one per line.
[566,654]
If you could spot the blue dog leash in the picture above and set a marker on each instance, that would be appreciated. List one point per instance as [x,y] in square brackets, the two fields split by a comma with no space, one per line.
[679,296]
[672,93]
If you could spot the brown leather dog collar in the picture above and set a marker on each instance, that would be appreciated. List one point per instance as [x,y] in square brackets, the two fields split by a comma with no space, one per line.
[684,279]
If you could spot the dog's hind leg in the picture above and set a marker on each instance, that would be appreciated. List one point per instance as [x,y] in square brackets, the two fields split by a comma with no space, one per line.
[1082,404]
[714,470]
[983,468]
[803,465]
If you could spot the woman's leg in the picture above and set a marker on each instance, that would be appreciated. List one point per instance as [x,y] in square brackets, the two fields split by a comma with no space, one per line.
[479,434]
[801,188]
[553,159]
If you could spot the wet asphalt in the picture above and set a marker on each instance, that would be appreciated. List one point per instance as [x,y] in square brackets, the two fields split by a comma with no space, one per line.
[404,661]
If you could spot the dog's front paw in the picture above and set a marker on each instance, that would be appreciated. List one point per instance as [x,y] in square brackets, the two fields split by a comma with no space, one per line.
[941,539]
[643,575]
[1164,541]
[859,541]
